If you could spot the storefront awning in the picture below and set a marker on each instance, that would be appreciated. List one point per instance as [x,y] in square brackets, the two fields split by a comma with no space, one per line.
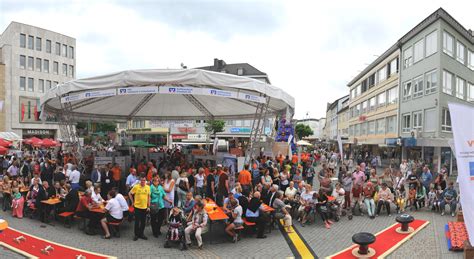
[11,136]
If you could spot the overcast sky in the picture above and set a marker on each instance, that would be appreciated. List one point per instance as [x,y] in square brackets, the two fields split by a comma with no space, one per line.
[311,49]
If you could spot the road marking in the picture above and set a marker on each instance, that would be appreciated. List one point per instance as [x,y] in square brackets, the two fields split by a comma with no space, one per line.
[297,243]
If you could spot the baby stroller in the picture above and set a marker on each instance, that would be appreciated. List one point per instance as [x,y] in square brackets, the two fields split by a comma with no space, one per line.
[175,232]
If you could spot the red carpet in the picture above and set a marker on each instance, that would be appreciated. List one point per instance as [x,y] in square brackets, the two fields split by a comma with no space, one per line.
[31,247]
[386,241]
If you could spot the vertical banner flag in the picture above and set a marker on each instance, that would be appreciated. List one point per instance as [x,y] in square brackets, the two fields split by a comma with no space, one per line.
[464,143]
[339,142]
[290,140]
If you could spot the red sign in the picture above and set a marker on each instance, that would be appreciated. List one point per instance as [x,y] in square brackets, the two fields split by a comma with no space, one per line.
[362,118]
[186,130]
[176,136]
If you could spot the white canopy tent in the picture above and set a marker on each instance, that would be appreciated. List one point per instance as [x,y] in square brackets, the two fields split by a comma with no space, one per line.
[171,94]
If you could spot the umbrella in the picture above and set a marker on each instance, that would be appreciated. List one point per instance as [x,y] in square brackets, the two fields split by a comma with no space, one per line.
[5,143]
[3,150]
[139,143]
[49,143]
[34,141]
[303,143]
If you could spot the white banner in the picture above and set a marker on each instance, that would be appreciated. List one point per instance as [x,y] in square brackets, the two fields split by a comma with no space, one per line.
[89,94]
[180,90]
[219,93]
[72,98]
[138,90]
[100,93]
[464,143]
[252,98]
[339,142]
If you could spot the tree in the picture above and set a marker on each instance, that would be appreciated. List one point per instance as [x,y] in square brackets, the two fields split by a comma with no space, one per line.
[302,131]
[215,126]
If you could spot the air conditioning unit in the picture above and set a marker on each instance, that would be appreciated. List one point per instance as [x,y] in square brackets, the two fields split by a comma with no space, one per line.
[415,133]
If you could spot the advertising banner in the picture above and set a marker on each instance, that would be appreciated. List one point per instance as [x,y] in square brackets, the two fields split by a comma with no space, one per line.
[219,93]
[464,143]
[89,94]
[179,90]
[252,98]
[138,90]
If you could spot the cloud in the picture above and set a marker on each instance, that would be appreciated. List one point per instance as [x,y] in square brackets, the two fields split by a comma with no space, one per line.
[310,49]
[222,19]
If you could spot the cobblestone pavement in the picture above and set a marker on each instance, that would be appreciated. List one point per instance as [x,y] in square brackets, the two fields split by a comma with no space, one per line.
[249,247]
[430,242]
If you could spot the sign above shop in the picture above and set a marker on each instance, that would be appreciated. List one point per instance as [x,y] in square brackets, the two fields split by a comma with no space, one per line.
[43,132]
[197,137]
[240,130]
[179,136]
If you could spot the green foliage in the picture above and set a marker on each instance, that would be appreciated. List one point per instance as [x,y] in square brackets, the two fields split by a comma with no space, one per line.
[215,126]
[302,131]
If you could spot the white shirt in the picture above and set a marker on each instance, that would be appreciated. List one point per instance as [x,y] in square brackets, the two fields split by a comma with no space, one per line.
[238,210]
[75,176]
[121,200]
[114,209]
[96,197]
[199,180]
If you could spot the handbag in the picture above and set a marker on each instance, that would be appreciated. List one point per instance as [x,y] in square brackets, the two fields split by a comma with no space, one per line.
[154,208]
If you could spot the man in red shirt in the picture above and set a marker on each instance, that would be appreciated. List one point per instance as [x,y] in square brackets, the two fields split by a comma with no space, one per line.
[83,210]
[245,178]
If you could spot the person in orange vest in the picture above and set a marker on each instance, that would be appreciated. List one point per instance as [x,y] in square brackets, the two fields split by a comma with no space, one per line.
[117,176]
[151,170]
[245,179]
[294,159]
[141,168]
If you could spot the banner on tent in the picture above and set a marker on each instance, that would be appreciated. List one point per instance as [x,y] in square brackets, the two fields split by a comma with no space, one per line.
[251,97]
[179,90]
[464,147]
[219,93]
[89,94]
[138,90]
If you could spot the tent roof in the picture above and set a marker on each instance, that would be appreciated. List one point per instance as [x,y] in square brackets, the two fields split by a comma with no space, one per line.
[166,94]
[9,136]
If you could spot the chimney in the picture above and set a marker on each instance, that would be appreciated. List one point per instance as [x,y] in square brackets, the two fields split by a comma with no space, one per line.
[216,63]
[471,32]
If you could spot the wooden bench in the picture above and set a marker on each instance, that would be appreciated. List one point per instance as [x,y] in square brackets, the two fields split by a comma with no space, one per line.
[115,227]
[248,223]
[67,215]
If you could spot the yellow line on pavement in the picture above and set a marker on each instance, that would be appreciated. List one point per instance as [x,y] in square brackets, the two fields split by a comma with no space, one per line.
[299,244]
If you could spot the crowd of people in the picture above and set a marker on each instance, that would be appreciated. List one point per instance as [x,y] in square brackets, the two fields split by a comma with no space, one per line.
[175,192]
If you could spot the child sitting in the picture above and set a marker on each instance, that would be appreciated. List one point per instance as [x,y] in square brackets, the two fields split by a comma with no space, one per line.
[400,199]
[17,204]
[438,200]
[431,198]
[177,222]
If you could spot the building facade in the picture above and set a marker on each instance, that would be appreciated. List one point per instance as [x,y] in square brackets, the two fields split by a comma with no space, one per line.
[331,127]
[373,107]
[343,121]
[399,103]
[35,60]
[437,69]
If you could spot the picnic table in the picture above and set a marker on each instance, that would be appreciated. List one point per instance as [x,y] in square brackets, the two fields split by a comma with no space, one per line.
[215,213]
[53,201]
[99,209]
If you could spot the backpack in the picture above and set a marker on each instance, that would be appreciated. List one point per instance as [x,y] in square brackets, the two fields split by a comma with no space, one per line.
[182,185]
